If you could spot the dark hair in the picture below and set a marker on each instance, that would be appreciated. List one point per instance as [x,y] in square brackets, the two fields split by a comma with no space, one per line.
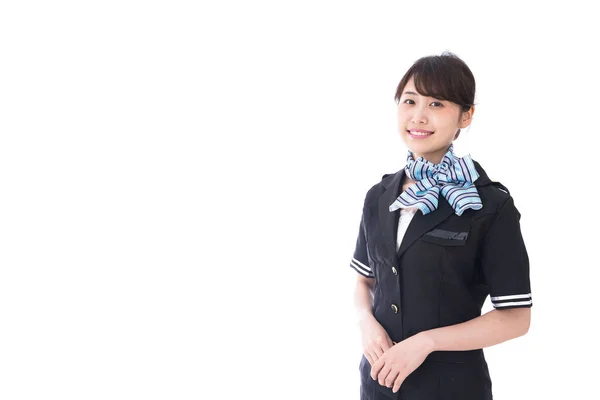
[445,77]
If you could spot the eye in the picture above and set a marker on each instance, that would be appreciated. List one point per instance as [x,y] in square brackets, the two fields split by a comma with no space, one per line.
[410,101]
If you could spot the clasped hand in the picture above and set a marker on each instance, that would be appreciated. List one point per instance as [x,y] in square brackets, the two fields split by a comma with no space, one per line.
[399,361]
[391,362]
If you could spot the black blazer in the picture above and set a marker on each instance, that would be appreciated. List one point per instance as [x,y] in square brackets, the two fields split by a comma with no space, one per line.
[441,275]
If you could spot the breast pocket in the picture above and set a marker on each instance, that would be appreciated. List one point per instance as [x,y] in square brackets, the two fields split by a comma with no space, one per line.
[445,237]
[455,250]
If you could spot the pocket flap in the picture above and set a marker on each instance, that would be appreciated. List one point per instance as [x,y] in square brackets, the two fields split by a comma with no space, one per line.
[446,238]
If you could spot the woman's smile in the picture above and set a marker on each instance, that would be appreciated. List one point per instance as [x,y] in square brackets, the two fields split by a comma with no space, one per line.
[419,134]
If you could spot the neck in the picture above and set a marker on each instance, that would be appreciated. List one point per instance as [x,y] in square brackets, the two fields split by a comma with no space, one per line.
[433,157]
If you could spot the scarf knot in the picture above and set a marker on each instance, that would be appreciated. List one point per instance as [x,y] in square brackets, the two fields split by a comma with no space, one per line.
[453,177]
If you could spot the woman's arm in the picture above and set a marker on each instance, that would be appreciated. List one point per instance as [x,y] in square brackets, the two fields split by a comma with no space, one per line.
[375,339]
[494,327]
[487,330]
[363,297]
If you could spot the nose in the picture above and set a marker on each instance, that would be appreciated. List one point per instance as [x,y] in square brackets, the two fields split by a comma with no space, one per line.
[420,115]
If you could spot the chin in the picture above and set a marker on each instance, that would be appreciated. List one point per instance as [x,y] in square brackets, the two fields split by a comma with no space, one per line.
[424,149]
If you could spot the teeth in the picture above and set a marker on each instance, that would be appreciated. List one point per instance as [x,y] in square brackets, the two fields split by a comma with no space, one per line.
[420,133]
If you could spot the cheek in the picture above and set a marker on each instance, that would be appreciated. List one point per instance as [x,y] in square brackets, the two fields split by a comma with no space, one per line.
[447,120]
[441,125]
[402,118]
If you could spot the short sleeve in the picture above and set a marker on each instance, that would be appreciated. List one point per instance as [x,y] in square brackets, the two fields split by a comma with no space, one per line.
[505,262]
[359,260]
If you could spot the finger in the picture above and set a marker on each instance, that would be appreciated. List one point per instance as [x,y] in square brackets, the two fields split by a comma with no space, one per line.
[373,356]
[376,356]
[378,351]
[390,379]
[383,375]
[398,383]
[369,358]
[375,368]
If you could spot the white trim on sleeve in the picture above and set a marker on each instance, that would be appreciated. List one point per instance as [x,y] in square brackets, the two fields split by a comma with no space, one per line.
[361,268]
[514,300]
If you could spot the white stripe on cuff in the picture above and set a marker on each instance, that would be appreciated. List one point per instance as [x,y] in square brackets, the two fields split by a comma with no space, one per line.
[512,303]
[358,263]
[511,297]
[361,270]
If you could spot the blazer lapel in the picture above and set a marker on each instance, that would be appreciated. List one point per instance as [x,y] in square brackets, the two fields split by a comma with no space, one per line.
[388,221]
[419,225]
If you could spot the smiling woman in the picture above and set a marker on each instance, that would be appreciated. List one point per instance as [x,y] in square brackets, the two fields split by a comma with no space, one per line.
[423,277]
[435,101]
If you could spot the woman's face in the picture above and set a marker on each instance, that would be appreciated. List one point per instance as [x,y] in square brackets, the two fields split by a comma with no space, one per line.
[440,118]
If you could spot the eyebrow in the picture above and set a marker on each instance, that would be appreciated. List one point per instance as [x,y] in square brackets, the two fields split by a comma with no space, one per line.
[416,94]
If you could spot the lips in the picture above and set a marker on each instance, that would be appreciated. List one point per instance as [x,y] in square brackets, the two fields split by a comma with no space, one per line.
[420,132]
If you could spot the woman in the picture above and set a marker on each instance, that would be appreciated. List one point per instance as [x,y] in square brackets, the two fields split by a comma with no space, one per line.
[436,238]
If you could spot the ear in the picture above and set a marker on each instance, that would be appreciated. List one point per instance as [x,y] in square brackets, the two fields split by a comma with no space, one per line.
[466,117]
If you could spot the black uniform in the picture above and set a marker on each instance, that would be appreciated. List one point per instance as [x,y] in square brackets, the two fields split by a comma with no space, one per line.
[441,275]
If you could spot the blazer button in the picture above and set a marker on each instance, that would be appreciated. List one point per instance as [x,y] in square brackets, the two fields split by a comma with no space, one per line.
[394,270]
[395,308]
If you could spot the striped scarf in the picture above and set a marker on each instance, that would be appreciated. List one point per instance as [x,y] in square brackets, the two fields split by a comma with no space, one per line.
[454,176]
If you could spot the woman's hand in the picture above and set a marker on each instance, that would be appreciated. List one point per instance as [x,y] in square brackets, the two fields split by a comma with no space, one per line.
[401,360]
[375,340]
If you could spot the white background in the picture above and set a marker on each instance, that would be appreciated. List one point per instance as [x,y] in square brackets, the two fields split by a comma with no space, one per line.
[181,187]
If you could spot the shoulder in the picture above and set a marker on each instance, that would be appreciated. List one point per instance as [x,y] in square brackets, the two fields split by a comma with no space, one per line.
[376,189]
[494,194]
[496,197]
[381,186]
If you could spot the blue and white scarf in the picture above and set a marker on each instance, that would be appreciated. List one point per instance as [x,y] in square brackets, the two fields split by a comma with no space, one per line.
[453,176]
